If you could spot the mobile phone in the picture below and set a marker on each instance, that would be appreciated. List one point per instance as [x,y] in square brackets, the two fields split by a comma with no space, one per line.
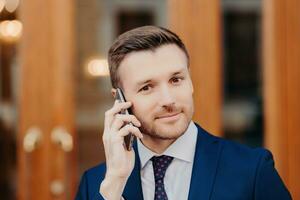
[128,139]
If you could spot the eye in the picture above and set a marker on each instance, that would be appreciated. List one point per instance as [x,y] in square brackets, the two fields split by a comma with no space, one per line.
[145,88]
[176,80]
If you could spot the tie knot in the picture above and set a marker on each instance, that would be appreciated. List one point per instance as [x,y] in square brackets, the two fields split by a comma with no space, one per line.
[160,165]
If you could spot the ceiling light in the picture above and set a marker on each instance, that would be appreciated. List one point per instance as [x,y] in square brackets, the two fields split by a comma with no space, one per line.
[98,67]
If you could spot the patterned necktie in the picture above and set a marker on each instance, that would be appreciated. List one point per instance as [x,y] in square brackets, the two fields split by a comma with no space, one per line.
[160,165]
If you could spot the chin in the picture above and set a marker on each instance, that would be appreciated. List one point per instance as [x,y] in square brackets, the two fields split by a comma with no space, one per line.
[170,131]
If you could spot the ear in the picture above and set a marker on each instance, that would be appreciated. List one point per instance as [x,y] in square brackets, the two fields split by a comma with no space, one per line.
[113,92]
[191,82]
[192,86]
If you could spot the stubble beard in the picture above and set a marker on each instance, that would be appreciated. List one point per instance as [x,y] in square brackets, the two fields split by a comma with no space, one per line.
[163,133]
[168,132]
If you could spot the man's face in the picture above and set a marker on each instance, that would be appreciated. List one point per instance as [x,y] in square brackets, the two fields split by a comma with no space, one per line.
[159,86]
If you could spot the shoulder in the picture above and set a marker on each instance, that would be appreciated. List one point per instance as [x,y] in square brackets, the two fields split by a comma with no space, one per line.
[230,149]
[245,168]
[244,159]
[95,174]
[98,170]
[236,157]
[242,152]
[90,182]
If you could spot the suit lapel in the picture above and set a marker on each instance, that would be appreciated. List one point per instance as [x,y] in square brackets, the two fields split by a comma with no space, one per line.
[206,158]
[133,189]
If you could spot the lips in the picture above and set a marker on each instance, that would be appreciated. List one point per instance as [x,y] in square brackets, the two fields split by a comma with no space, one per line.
[169,115]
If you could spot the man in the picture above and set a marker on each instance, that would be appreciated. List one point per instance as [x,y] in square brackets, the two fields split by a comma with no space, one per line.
[173,158]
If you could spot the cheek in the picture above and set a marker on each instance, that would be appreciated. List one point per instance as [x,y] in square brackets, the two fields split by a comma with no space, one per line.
[185,96]
[142,109]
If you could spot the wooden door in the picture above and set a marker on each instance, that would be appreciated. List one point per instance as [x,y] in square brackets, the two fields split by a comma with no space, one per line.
[281,25]
[46,154]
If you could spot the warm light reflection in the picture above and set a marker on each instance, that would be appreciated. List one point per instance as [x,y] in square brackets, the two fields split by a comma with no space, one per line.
[11,5]
[98,67]
[2,4]
[10,30]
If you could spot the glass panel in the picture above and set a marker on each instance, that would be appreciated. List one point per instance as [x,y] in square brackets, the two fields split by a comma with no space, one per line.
[10,31]
[243,115]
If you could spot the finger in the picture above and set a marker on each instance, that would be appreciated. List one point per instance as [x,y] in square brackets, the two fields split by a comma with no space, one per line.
[130,129]
[120,120]
[117,107]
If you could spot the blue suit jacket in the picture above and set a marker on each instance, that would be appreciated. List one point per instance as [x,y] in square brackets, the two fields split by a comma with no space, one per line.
[222,170]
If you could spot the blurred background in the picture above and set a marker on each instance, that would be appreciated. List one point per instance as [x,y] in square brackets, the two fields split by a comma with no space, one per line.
[55,86]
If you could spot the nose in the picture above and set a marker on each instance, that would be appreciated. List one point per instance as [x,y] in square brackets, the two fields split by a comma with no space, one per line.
[166,96]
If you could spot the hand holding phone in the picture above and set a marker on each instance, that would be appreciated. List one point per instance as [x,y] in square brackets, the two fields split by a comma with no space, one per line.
[128,139]
[120,128]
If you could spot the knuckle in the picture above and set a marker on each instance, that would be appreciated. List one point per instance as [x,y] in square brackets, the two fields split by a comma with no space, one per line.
[133,119]
[136,130]
[118,105]
[131,116]
[132,128]
[118,117]
[126,127]
[122,129]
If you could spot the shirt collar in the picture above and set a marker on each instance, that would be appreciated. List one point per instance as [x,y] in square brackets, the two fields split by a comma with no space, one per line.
[183,148]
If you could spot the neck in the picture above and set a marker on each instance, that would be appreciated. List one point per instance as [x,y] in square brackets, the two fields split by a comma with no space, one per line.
[155,144]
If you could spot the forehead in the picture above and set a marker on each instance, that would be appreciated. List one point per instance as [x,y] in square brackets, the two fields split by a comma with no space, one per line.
[151,65]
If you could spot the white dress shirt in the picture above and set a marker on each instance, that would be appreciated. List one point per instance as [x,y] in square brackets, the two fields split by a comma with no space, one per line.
[178,175]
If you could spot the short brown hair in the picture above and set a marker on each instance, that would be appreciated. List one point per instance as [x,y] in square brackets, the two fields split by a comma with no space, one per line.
[139,39]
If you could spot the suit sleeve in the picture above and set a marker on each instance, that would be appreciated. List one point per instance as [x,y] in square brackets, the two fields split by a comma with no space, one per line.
[82,192]
[268,183]
[85,192]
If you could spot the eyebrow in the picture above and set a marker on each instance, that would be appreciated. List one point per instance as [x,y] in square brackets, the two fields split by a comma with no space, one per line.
[150,80]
